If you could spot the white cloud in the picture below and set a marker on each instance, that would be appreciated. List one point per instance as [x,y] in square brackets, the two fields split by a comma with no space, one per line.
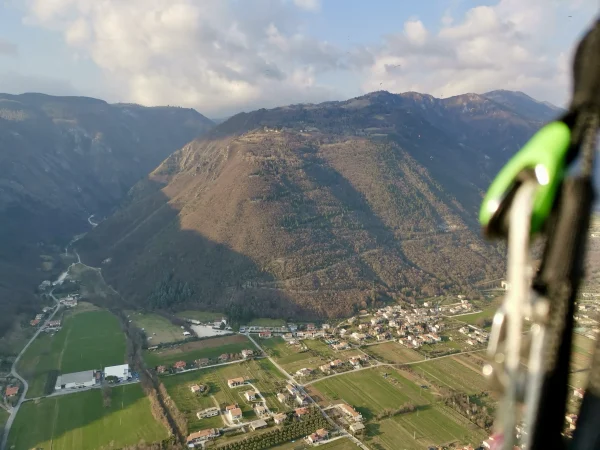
[222,56]
[491,47]
[210,55]
[415,32]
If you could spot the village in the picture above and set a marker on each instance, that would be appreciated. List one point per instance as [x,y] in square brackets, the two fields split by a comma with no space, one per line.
[225,368]
[298,408]
[409,327]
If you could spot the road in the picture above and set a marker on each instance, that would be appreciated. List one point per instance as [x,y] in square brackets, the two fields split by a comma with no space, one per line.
[94,224]
[15,374]
[76,391]
[380,364]
[340,430]
[13,369]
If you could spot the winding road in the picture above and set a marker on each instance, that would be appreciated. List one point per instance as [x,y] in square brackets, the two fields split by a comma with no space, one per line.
[13,369]
[15,374]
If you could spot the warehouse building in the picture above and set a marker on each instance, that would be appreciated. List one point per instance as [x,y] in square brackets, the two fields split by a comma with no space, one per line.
[121,372]
[75,380]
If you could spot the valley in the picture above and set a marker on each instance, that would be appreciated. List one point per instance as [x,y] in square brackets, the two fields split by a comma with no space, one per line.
[278,285]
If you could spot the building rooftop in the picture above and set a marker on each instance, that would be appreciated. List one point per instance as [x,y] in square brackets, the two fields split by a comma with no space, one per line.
[75,377]
[120,371]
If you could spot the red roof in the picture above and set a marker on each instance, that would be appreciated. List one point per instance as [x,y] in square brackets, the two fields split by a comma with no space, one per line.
[12,390]
[180,364]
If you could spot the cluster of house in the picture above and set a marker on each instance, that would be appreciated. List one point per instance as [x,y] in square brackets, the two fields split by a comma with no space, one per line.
[89,378]
[475,335]
[292,394]
[36,321]
[462,307]
[413,327]
[353,362]
[39,317]
[52,326]
[233,412]
[291,330]
[180,366]
[70,301]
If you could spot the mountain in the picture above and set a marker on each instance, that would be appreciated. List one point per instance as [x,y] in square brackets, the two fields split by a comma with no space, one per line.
[63,159]
[317,210]
[524,105]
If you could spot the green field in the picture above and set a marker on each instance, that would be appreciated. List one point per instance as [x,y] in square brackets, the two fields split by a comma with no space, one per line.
[202,316]
[262,374]
[3,418]
[392,352]
[318,353]
[370,392]
[456,372]
[87,340]
[338,444]
[488,309]
[264,322]
[431,425]
[81,422]
[190,351]
[158,328]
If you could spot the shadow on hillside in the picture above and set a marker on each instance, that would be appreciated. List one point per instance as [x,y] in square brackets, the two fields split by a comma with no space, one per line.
[346,194]
[156,264]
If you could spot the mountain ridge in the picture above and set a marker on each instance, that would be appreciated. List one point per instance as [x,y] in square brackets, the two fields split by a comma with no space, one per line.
[316,210]
[63,159]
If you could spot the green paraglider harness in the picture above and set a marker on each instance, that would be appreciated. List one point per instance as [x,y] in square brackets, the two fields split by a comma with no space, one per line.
[546,190]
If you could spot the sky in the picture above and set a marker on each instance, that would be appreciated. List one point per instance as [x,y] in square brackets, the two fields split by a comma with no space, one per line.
[226,56]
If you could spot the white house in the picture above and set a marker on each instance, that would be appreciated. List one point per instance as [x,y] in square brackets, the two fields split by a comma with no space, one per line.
[279,418]
[209,412]
[257,424]
[75,380]
[122,372]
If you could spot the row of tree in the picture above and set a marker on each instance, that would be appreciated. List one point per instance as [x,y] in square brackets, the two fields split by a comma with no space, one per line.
[279,436]
[471,408]
[391,412]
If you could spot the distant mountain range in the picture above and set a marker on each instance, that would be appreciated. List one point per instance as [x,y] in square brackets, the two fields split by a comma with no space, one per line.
[63,159]
[319,210]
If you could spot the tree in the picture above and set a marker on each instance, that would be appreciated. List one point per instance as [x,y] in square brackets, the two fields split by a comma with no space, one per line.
[106,396]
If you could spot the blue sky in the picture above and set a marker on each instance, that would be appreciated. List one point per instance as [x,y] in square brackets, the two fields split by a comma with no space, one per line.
[223,56]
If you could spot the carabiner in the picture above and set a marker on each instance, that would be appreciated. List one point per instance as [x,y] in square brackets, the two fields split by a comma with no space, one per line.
[544,156]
